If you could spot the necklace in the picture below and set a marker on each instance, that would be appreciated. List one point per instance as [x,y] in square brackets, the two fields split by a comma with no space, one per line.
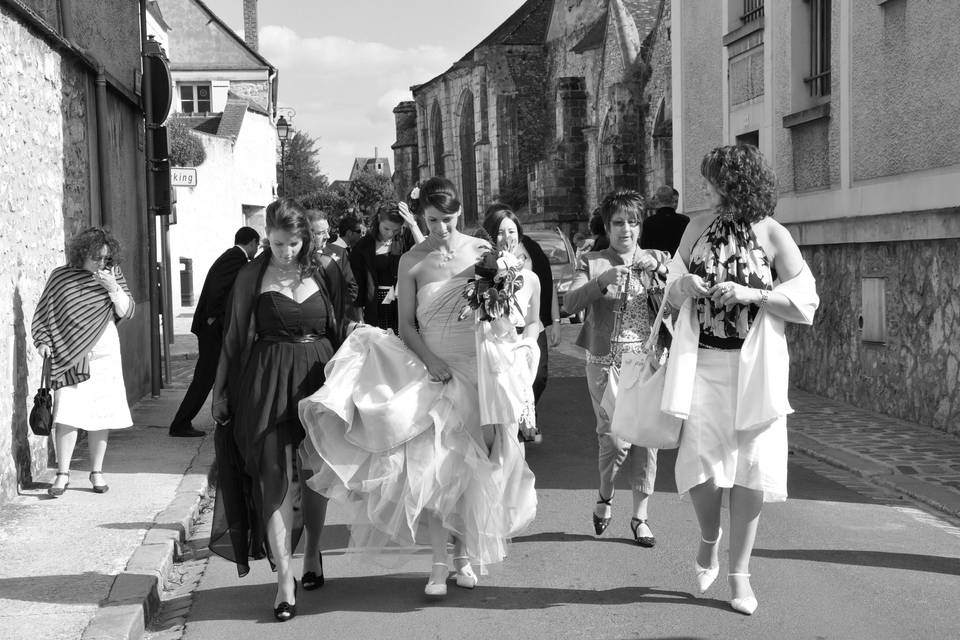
[445,254]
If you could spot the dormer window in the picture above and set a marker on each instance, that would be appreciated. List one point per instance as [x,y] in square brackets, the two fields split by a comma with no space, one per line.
[194,97]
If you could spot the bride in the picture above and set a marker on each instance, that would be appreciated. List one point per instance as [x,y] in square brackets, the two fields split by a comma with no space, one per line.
[396,431]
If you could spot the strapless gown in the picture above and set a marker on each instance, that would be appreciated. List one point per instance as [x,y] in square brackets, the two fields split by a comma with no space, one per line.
[392,445]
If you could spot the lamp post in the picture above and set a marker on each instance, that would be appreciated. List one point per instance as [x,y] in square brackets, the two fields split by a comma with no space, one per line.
[283,132]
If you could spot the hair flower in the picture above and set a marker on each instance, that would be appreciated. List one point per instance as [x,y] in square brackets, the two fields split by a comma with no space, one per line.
[415,194]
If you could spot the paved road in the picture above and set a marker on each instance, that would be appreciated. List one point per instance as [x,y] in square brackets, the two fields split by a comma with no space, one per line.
[838,560]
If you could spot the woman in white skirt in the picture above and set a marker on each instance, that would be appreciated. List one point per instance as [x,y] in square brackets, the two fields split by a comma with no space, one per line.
[75,326]
[738,277]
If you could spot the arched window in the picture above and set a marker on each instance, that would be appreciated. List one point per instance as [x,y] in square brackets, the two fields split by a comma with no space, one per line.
[468,159]
[436,138]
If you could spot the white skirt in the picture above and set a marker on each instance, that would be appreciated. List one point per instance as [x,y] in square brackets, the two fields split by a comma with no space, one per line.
[710,447]
[99,402]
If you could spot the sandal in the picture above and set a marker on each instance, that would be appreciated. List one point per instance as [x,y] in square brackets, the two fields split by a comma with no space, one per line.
[466,578]
[600,524]
[55,491]
[644,541]
[310,580]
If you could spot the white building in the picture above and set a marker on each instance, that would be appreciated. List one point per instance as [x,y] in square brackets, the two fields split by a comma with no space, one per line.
[226,92]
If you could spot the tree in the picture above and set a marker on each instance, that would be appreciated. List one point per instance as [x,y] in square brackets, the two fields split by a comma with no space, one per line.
[186,149]
[334,201]
[369,189]
[303,173]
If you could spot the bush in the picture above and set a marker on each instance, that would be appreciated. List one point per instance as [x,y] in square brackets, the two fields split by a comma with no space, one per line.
[186,150]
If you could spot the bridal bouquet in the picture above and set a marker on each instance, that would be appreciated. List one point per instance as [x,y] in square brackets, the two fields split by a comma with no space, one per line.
[493,290]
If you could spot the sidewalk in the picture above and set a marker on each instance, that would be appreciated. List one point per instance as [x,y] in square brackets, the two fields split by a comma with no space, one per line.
[87,565]
[917,461]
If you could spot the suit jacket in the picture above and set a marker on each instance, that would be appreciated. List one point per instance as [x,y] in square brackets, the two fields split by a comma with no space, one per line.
[663,230]
[216,288]
[586,293]
[338,266]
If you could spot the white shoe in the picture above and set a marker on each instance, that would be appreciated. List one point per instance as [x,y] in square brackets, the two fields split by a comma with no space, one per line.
[706,576]
[746,605]
[466,578]
[436,589]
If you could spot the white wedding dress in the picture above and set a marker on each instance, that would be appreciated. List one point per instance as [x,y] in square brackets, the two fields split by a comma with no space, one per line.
[392,445]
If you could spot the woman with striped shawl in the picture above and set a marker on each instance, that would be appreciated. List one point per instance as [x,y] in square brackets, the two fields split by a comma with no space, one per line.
[75,327]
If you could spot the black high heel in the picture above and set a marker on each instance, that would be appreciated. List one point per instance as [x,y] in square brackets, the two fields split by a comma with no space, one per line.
[310,580]
[286,611]
[600,524]
[56,492]
[98,488]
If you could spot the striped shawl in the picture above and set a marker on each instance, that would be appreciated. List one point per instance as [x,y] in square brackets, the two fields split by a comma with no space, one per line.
[71,315]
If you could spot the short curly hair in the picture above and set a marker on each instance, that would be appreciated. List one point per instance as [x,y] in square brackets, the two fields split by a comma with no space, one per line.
[88,244]
[744,179]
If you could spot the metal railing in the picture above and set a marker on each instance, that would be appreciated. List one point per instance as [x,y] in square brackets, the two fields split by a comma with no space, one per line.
[752,10]
[819,79]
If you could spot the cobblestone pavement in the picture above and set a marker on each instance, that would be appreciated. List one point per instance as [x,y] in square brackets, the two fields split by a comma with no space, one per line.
[182,580]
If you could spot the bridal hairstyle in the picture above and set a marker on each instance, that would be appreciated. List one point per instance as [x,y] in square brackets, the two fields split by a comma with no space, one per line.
[438,193]
[494,216]
[745,181]
[284,214]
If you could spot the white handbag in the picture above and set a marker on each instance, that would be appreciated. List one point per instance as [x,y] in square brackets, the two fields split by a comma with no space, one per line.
[637,417]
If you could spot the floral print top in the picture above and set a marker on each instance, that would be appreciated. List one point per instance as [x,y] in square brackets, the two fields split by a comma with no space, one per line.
[644,292]
[728,251]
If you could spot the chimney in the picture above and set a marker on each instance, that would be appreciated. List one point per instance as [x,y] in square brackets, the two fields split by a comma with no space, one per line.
[250,24]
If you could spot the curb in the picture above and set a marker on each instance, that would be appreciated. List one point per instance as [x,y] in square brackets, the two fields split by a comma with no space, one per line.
[135,594]
[940,498]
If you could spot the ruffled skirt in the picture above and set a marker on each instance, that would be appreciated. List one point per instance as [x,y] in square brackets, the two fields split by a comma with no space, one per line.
[393,446]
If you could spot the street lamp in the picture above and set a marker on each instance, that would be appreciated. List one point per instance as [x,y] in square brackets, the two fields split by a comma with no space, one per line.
[283,132]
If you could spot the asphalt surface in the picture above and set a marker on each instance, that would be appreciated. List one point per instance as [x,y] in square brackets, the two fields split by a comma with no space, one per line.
[839,559]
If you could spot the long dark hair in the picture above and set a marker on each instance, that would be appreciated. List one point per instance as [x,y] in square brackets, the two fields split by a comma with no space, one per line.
[285,214]
[494,217]
[389,210]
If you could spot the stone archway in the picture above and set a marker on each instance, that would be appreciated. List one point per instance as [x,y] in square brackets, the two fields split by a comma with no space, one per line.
[468,160]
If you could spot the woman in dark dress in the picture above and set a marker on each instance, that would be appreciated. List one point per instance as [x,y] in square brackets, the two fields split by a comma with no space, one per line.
[375,261]
[280,332]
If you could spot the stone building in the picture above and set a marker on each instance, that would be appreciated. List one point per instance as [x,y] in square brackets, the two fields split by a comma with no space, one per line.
[71,132]
[226,92]
[855,104]
[564,101]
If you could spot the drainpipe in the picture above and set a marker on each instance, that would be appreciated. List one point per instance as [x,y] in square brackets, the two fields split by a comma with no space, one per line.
[103,154]
[154,280]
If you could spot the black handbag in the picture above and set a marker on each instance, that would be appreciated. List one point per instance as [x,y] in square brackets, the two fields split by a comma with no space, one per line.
[41,416]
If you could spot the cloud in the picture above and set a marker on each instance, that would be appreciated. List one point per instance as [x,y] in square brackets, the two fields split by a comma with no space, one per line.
[344,90]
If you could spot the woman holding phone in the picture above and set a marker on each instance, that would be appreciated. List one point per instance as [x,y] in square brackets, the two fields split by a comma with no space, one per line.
[75,327]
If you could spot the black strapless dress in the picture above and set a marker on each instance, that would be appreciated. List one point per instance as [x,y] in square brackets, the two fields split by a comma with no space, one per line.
[286,365]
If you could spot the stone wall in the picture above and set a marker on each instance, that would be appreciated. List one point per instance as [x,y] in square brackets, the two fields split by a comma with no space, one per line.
[914,374]
[49,193]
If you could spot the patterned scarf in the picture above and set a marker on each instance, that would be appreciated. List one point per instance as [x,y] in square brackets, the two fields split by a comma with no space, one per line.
[71,315]
[728,252]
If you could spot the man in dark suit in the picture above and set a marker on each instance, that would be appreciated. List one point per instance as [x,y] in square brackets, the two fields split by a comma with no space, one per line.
[208,327]
[662,231]
[336,265]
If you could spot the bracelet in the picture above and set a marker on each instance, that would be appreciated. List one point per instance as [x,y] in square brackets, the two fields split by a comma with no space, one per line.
[557,320]
[764,294]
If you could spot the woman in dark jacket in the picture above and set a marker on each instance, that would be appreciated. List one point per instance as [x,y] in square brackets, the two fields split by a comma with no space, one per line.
[282,327]
[537,261]
[375,260]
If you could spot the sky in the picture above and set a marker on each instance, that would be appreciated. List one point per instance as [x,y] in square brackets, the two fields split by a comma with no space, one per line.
[345,64]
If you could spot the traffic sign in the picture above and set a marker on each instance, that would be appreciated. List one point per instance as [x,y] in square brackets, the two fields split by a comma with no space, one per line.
[183,177]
